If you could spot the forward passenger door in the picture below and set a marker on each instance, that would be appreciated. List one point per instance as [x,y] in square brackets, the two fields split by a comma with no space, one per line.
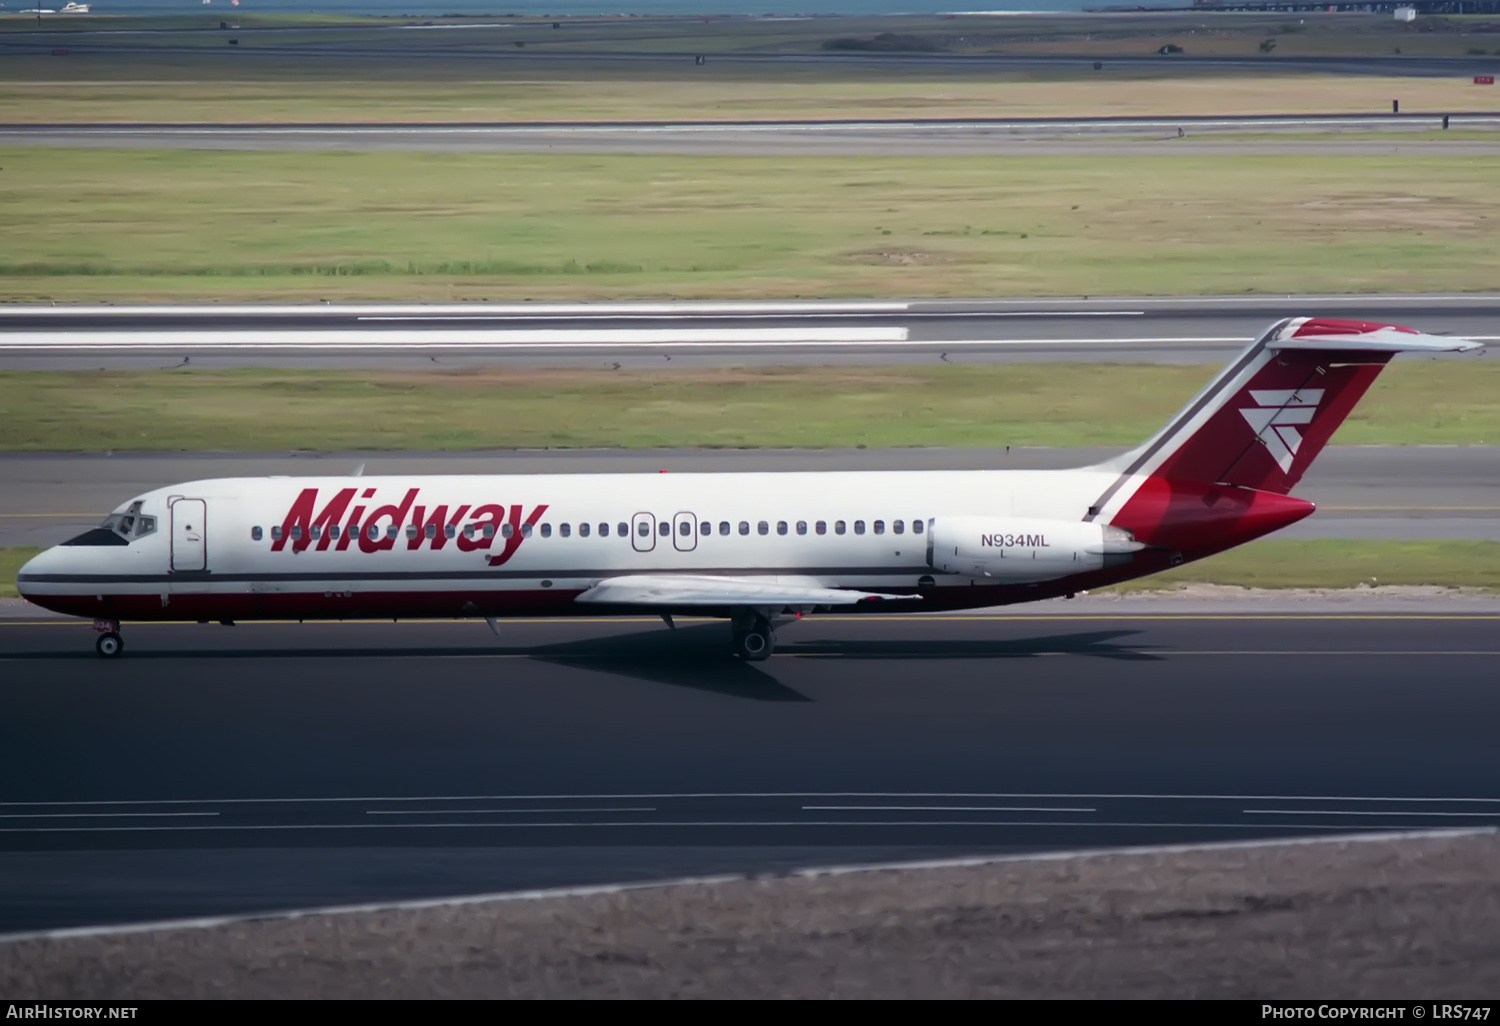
[189,535]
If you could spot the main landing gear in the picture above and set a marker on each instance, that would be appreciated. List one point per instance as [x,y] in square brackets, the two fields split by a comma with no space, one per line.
[753,638]
[110,644]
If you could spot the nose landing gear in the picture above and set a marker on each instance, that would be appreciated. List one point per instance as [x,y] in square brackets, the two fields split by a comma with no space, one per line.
[753,638]
[110,644]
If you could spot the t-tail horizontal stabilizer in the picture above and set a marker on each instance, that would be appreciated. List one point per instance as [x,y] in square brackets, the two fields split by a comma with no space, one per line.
[1260,423]
[1220,472]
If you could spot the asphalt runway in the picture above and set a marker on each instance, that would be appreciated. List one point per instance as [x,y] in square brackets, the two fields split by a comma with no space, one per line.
[1207,330]
[217,770]
[1158,136]
[1403,492]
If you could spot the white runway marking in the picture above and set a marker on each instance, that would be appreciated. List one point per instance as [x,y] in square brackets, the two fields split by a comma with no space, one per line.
[100,815]
[528,811]
[941,808]
[708,823]
[803,795]
[543,338]
[604,310]
[676,316]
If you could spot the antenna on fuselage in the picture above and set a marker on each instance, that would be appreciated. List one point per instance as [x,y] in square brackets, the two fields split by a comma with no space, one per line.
[359,471]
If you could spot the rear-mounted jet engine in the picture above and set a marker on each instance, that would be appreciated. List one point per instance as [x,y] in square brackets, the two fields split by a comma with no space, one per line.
[1017,549]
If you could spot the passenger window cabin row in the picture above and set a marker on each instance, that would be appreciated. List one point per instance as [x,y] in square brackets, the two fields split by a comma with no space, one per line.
[622,529]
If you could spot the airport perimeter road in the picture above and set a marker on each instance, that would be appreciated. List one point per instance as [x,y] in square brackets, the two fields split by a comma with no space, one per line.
[1361,491]
[218,769]
[1162,330]
[1165,135]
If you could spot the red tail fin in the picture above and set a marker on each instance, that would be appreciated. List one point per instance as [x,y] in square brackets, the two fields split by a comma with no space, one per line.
[1260,423]
[1275,421]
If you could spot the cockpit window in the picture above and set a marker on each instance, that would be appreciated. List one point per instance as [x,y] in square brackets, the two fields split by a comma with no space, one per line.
[99,536]
[118,528]
[130,524]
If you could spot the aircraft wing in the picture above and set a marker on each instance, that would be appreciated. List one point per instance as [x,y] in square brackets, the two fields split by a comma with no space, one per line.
[676,590]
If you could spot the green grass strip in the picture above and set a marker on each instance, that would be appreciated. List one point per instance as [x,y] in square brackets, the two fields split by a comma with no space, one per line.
[11,560]
[1340,563]
[980,406]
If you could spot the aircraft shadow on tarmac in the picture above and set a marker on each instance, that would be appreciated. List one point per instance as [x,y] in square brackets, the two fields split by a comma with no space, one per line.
[1101,644]
[696,656]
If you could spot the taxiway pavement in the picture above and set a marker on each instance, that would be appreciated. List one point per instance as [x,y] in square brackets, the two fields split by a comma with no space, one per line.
[1271,135]
[215,770]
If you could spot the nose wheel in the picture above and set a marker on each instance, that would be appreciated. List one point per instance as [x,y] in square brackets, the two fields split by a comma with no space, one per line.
[110,644]
[753,639]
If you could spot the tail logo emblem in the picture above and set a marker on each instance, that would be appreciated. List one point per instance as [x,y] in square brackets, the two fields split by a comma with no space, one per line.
[1275,419]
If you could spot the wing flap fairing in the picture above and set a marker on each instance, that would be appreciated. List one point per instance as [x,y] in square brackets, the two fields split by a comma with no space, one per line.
[677,590]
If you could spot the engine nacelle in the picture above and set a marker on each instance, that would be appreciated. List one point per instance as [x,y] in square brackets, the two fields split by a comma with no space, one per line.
[1018,549]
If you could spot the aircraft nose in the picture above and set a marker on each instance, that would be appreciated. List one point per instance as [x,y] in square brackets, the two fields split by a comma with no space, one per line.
[38,564]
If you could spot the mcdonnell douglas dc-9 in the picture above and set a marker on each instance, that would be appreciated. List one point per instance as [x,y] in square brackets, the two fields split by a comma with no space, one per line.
[754,549]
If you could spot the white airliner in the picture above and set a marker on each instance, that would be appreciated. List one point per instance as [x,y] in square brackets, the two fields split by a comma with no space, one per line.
[752,548]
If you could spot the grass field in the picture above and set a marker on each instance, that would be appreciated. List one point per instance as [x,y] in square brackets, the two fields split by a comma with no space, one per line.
[139,225]
[1264,564]
[11,560]
[1415,402]
[1337,563]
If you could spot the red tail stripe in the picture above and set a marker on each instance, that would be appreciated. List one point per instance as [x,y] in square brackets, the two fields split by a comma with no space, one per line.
[1333,326]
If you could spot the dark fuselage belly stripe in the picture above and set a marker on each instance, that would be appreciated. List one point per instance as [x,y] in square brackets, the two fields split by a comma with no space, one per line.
[468,575]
